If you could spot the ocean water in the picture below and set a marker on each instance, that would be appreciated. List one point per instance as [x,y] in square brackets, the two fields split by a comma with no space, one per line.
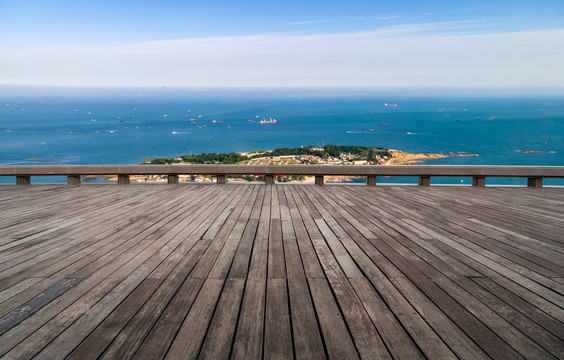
[127,126]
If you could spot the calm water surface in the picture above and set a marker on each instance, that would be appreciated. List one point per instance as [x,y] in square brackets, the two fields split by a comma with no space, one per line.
[125,126]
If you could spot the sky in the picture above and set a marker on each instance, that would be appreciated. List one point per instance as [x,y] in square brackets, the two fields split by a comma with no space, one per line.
[287,43]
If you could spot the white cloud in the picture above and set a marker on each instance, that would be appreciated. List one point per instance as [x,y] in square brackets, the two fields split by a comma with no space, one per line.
[403,55]
[309,22]
[387,17]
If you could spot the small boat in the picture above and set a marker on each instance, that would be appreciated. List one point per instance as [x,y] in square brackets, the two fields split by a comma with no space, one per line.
[390,105]
[367,129]
[384,124]
[270,121]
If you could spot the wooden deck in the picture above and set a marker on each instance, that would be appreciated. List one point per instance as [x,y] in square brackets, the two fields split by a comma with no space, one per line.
[281,271]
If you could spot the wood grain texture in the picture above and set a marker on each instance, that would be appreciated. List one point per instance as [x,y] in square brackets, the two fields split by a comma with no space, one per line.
[281,272]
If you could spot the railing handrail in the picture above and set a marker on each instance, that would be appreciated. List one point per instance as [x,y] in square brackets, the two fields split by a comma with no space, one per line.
[534,174]
[319,170]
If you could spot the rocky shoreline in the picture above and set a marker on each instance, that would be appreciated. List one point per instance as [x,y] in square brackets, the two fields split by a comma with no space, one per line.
[402,158]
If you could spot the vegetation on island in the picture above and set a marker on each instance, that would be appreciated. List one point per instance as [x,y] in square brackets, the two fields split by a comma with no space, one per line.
[328,154]
[308,154]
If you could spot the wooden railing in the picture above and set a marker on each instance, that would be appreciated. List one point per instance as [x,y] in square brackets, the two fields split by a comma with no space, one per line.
[534,174]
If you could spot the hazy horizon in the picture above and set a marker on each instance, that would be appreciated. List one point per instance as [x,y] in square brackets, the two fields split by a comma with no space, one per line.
[269,91]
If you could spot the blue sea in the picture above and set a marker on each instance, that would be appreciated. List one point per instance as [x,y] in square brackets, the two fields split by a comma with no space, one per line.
[43,125]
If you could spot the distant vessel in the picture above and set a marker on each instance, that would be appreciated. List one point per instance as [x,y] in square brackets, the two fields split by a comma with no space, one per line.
[390,105]
[384,124]
[270,121]
[217,121]
[367,129]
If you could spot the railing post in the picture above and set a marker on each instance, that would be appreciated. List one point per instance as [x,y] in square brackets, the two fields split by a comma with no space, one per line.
[269,179]
[73,179]
[172,179]
[479,181]
[534,182]
[318,179]
[123,179]
[23,180]
[424,180]
[371,180]
[221,179]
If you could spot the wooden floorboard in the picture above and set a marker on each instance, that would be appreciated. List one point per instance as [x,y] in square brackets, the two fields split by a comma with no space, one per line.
[281,272]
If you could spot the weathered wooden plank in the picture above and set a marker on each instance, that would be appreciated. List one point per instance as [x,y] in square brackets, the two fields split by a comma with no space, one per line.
[15,316]
[308,343]
[277,332]
[45,334]
[396,338]
[188,341]
[249,337]
[218,341]
[365,336]
[130,262]
[130,338]
[336,337]
[103,335]
[276,265]
[157,342]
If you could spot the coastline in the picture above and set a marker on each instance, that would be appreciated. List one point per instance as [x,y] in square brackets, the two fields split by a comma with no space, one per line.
[402,158]
[398,158]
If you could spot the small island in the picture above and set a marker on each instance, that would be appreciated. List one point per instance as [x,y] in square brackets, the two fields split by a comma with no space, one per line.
[318,155]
